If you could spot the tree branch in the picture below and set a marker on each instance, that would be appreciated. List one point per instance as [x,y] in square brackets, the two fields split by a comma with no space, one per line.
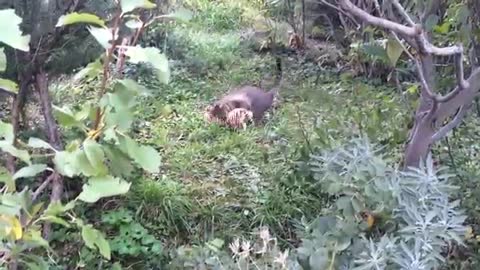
[442,132]
[42,187]
[403,12]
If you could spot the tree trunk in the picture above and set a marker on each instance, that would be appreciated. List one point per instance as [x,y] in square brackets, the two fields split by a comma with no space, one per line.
[41,86]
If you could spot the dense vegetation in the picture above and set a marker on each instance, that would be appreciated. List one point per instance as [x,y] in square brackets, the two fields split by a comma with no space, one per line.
[106,160]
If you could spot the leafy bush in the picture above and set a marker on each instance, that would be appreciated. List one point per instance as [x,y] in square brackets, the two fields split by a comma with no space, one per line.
[381,218]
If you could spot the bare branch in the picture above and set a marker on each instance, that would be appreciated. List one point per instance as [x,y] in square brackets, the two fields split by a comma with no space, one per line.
[403,12]
[424,82]
[376,21]
[42,187]
[442,132]
[325,2]
[462,83]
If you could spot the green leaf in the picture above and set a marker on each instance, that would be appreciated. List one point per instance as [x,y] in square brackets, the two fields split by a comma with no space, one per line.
[95,156]
[83,165]
[34,238]
[9,86]
[181,14]
[6,132]
[412,89]
[375,50]
[101,187]
[130,5]
[152,56]
[102,35]
[57,208]
[119,163]
[76,17]
[94,238]
[65,116]
[7,179]
[92,70]
[38,143]
[134,23]
[3,60]
[29,171]
[147,157]
[21,154]
[11,33]
[65,163]
[56,220]
[394,51]
[442,29]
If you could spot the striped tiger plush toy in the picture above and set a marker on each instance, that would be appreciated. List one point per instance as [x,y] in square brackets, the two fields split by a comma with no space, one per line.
[236,118]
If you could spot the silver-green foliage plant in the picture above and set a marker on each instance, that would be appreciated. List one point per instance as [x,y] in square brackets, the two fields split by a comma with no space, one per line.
[410,217]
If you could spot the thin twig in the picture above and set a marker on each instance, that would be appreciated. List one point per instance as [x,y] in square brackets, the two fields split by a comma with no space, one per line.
[42,187]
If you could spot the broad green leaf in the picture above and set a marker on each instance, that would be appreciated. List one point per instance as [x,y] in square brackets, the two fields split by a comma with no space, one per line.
[6,132]
[102,35]
[119,163]
[38,143]
[21,154]
[7,179]
[3,60]
[95,156]
[76,17]
[394,51]
[94,238]
[92,70]
[11,33]
[57,208]
[442,29]
[101,187]
[65,116]
[182,14]
[83,165]
[147,157]
[152,56]
[375,50]
[34,238]
[319,260]
[131,85]
[56,220]
[412,89]
[130,5]
[65,163]
[9,86]
[29,171]
[134,23]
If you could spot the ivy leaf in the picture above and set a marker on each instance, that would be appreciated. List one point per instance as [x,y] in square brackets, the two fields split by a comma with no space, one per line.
[3,60]
[11,33]
[101,187]
[152,56]
[147,157]
[130,5]
[76,17]
[29,171]
[95,156]
[95,239]
[9,86]
[394,51]
[38,143]
[6,132]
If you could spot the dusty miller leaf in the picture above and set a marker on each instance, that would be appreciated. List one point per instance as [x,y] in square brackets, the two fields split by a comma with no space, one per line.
[76,17]
[101,187]
[11,33]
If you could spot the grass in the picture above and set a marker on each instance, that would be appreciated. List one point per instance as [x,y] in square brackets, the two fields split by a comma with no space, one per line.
[215,182]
